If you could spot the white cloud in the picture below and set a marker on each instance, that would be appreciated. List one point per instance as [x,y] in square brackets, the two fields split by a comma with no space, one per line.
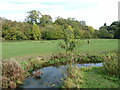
[94,12]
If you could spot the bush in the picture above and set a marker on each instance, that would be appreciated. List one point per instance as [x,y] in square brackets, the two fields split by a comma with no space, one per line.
[12,73]
[65,58]
[32,64]
[74,78]
[111,64]
[58,59]
[88,58]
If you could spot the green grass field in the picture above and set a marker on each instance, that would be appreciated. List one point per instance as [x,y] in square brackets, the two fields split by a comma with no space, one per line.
[96,78]
[28,48]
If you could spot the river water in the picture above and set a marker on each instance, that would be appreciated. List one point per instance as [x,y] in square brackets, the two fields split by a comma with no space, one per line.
[52,76]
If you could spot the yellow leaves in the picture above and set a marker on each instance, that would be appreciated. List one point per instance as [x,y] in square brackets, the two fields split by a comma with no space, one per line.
[19,82]
[70,28]
[91,29]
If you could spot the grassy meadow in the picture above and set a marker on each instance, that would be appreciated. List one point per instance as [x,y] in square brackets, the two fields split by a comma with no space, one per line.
[93,77]
[46,48]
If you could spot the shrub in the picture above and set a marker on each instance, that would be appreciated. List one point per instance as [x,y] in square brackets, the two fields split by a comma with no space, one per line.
[58,59]
[66,58]
[74,78]
[12,73]
[36,63]
[31,64]
[111,64]
[88,58]
[58,56]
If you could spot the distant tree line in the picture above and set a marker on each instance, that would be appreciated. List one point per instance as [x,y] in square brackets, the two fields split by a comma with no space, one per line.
[38,26]
[112,31]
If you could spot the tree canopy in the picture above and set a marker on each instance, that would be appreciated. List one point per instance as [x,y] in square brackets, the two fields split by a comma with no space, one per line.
[38,26]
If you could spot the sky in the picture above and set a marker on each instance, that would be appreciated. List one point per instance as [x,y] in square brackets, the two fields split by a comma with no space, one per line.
[94,12]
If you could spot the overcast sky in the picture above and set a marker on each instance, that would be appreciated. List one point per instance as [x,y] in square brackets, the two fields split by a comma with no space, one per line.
[94,12]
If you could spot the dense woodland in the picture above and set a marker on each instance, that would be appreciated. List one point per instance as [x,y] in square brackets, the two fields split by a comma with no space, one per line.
[38,26]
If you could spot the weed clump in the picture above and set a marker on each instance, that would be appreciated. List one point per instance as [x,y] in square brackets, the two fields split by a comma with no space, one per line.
[12,74]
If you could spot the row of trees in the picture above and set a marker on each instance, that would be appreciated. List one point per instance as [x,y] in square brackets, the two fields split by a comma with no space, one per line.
[38,26]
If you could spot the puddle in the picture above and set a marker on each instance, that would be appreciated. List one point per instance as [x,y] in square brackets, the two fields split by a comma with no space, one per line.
[52,76]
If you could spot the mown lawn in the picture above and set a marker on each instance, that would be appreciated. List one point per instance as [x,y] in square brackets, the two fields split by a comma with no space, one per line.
[48,47]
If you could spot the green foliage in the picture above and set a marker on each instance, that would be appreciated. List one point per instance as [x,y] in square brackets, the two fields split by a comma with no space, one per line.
[91,29]
[12,30]
[74,23]
[104,33]
[60,21]
[88,58]
[111,64]
[45,20]
[31,64]
[85,34]
[36,32]
[113,29]
[96,34]
[77,33]
[59,31]
[33,17]
[58,61]
[51,32]
[76,58]
[69,40]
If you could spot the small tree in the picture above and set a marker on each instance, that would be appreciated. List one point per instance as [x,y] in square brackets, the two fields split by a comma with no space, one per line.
[36,32]
[69,42]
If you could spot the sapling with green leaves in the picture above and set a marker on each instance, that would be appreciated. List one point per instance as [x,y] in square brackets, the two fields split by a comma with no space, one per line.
[69,42]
